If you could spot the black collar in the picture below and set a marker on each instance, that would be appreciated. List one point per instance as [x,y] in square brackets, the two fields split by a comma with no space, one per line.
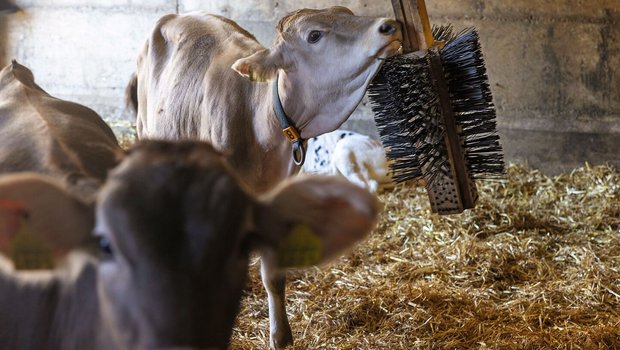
[289,131]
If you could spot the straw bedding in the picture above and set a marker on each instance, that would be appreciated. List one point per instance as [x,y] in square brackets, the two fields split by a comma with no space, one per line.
[536,265]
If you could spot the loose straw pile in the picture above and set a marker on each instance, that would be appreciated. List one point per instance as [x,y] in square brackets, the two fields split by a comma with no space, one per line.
[536,265]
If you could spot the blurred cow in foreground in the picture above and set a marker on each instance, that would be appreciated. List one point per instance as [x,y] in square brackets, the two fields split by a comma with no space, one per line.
[174,229]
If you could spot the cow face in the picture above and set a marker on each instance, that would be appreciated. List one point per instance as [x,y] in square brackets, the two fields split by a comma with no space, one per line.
[315,42]
[172,221]
[175,230]
[335,41]
[326,59]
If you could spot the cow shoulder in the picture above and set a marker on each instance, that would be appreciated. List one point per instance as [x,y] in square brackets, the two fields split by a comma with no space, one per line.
[198,36]
[89,146]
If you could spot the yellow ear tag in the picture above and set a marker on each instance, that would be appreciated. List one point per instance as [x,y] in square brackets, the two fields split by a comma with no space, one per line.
[29,251]
[302,248]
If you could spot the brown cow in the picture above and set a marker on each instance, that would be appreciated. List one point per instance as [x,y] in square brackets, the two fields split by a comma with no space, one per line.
[66,141]
[319,68]
[43,134]
[173,251]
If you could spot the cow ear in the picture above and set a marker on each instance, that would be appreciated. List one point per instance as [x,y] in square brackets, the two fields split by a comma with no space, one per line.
[262,65]
[40,222]
[312,219]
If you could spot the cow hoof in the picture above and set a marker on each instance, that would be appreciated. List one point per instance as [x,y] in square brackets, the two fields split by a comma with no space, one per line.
[281,340]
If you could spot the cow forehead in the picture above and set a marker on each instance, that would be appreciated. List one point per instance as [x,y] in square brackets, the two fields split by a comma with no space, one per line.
[334,17]
[164,190]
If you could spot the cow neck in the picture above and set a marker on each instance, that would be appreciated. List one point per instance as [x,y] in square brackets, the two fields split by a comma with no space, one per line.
[288,129]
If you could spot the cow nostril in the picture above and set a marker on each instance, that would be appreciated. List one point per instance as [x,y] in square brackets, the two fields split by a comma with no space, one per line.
[387,28]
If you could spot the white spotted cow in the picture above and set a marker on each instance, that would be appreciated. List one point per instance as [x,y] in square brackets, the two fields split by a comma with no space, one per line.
[356,157]
[168,260]
[306,84]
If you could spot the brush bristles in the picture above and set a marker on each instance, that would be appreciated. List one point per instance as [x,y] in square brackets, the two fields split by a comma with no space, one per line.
[472,103]
[443,33]
[408,117]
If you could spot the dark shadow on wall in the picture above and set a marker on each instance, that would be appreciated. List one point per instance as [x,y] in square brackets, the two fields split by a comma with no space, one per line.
[6,8]
[3,40]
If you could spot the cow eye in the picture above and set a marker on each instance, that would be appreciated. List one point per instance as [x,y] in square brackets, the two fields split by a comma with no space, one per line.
[314,36]
[105,247]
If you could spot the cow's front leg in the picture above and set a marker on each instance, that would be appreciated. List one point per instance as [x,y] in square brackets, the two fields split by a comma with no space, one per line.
[274,280]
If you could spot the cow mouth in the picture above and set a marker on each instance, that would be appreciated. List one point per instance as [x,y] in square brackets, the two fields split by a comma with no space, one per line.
[394,47]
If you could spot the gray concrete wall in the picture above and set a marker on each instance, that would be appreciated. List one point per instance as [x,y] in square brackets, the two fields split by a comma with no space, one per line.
[553,65]
[554,69]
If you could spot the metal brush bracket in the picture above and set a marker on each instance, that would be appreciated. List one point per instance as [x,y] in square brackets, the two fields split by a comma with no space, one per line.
[290,132]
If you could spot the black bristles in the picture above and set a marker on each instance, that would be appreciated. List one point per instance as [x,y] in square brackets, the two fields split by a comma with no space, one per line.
[443,33]
[472,104]
[407,116]
[409,120]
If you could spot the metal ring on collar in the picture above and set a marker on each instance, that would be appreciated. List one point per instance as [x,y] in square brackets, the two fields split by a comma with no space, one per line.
[299,153]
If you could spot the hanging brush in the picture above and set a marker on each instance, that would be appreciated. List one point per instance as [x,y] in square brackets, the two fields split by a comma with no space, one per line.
[434,111]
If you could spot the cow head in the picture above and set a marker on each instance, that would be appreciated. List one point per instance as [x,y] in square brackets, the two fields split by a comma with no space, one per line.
[326,59]
[176,229]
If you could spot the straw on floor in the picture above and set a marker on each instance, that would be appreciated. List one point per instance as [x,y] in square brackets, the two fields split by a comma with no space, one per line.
[535,266]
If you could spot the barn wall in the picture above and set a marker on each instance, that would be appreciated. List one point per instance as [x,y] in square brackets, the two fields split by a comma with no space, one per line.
[553,65]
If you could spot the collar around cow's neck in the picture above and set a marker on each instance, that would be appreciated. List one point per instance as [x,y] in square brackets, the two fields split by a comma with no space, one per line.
[289,130]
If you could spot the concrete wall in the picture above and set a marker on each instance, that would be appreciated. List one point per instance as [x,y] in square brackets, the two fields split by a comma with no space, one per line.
[554,69]
[553,65]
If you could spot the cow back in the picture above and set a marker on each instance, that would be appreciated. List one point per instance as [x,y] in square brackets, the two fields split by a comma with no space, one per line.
[45,134]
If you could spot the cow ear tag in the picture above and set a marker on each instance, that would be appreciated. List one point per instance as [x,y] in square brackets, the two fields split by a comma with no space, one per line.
[302,248]
[28,250]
